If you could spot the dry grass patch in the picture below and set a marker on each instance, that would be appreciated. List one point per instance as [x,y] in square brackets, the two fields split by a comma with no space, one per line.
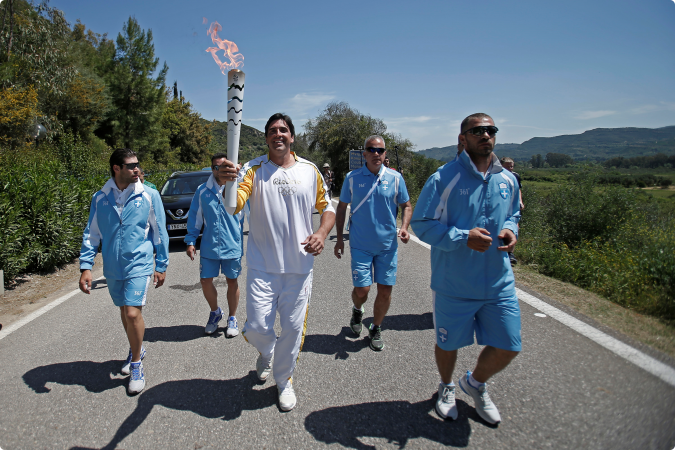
[645,329]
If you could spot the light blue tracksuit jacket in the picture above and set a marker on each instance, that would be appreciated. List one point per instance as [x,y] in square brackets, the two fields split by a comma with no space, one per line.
[222,237]
[456,199]
[129,240]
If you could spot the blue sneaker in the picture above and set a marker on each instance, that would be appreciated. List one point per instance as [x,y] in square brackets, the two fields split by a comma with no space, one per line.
[137,380]
[214,318]
[125,368]
[232,327]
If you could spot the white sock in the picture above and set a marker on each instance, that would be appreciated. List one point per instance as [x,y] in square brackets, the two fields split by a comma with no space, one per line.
[450,384]
[474,384]
[358,309]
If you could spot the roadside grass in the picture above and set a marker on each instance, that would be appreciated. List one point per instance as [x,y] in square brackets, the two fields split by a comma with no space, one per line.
[659,334]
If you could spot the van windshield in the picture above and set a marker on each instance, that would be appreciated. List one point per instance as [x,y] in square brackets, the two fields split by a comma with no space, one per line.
[184,185]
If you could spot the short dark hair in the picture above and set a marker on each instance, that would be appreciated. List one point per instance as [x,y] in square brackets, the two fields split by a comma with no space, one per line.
[218,156]
[118,156]
[280,116]
[465,122]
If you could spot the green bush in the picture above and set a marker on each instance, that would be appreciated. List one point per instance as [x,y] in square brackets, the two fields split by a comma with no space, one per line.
[45,206]
[605,239]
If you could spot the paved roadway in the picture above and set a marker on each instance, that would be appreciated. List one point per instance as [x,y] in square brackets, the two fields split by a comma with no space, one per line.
[61,386]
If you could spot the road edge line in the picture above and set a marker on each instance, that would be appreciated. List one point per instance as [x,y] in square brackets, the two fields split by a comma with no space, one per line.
[645,362]
[37,313]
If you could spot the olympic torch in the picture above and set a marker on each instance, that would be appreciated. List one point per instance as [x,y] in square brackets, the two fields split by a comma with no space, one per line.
[235,103]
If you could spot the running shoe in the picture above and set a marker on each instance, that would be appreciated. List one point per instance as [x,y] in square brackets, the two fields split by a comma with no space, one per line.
[445,405]
[263,369]
[232,327]
[512,259]
[214,318]
[287,398]
[137,380]
[356,323]
[125,368]
[376,342]
[484,406]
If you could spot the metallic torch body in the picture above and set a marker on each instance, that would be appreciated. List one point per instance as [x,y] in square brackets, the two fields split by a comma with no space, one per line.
[235,103]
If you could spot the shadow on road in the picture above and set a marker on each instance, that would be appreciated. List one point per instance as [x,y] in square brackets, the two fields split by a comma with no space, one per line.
[93,376]
[178,333]
[197,396]
[217,282]
[395,421]
[346,342]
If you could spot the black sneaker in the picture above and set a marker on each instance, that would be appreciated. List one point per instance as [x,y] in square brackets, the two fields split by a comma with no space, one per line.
[355,324]
[376,342]
[513,259]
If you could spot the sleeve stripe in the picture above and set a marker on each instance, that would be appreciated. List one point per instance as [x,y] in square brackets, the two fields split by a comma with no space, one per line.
[440,209]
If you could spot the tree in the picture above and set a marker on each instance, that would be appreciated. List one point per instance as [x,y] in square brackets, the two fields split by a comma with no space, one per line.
[558,159]
[537,161]
[187,132]
[337,129]
[37,57]
[137,96]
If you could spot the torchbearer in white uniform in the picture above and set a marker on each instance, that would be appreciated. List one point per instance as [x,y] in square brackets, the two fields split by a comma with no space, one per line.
[283,190]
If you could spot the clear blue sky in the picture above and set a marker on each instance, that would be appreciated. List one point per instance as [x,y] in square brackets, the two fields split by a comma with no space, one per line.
[540,68]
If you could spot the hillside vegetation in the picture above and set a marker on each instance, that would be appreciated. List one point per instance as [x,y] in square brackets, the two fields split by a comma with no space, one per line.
[599,144]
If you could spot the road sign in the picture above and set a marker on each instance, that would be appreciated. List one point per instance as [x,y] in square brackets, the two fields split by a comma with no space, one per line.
[355,159]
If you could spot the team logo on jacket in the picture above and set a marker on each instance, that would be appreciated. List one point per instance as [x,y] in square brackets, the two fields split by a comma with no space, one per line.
[138,203]
[503,190]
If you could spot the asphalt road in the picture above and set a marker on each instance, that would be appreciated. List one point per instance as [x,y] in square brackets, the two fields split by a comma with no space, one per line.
[61,386]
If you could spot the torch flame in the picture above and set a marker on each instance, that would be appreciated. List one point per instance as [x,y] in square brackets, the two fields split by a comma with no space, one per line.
[229,47]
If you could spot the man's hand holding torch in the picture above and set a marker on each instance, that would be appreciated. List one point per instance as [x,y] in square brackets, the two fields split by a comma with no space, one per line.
[228,171]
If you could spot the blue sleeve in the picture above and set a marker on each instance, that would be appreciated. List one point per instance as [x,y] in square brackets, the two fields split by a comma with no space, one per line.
[511,222]
[91,238]
[345,193]
[425,220]
[402,192]
[194,214]
[160,239]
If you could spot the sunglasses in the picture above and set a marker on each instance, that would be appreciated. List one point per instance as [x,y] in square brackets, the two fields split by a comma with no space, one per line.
[479,131]
[216,167]
[379,151]
[132,166]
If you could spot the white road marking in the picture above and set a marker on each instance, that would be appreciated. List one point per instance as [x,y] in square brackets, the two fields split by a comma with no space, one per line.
[630,354]
[37,313]
[540,315]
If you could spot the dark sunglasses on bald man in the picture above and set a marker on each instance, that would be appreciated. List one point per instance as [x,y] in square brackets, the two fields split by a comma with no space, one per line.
[377,150]
[131,166]
[479,131]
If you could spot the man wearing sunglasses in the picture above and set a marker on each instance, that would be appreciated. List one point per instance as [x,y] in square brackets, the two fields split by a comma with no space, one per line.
[128,221]
[221,246]
[468,212]
[374,192]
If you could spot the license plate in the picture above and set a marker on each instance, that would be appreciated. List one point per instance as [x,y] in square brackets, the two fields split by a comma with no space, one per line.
[178,226]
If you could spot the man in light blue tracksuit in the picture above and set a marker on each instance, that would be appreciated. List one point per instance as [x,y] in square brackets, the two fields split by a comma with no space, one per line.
[221,247]
[468,212]
[127,219]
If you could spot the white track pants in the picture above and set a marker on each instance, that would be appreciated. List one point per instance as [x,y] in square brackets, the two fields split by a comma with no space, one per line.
[289,294]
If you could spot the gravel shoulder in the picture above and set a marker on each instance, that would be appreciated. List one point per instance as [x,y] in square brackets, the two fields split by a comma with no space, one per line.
[34,290]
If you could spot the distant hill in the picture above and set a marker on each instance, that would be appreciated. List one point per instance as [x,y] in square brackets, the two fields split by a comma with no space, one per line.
[251,142]
[598,145]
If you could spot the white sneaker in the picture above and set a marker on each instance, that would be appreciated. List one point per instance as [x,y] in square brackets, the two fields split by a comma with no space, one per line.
[137,379]
[287,398]
[263,370]
[126,370]
[484,406]
[232,327]
[445,405]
